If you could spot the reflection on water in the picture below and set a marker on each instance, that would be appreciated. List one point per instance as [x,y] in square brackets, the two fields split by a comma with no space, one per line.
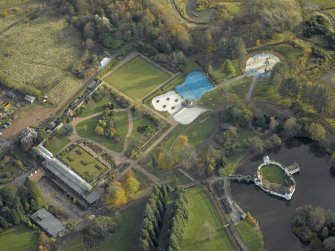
[315,186]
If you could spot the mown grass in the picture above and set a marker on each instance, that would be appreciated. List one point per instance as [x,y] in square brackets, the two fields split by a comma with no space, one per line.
[273,174]
[251,236]
[202,211]
[98,106]
[137,78]
[232,162]
[241,88]
[176,178]
[18,238]
[56,144]
[201,132]
[74,244]
[128,224]
[12,3]
[211,100]
[86,129]
[90,171]
[324,3]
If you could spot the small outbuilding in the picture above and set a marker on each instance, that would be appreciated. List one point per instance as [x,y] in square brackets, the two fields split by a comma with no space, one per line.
[48,223]
[10,95]
[29,99]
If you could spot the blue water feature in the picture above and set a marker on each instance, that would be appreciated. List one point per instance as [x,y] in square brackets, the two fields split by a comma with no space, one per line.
[195,86]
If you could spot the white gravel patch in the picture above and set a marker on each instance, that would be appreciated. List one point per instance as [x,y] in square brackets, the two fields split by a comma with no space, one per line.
[168,102]
[187,115]
[262,63]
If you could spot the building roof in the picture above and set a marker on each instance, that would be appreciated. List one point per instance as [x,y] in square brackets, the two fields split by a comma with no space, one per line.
[69,177]
[29,98]
[92,84]
[48,222]
[28,133]
[92,197]
[10,94]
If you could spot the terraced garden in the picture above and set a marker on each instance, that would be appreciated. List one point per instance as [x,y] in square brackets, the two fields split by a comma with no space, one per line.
[83,163]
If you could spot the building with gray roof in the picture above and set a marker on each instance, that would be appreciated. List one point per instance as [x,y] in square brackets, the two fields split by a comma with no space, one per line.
[48,223]
[68,177]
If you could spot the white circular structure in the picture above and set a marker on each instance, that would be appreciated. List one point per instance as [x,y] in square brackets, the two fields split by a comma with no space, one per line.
[261,65]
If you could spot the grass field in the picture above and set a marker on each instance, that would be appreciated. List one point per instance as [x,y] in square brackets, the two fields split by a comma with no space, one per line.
[136,78]
[56,144]
[12,3]
[127,229]
[201,132]
[38,55]
[274,174]
[18,238]
[232,162]
[251,236]
[202,211]
[291,53]
[138,122]
[83,163]
[74,244]
[96,107]
[86,129]
[211,100]
[176,178]
[322,3]
[241,88]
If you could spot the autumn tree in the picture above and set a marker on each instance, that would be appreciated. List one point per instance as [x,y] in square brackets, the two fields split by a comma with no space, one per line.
[99,130]
[317,131]
[116,196]
[131,186]
[165,160]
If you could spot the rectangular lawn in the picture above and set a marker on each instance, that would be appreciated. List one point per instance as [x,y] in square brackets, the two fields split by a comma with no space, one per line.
[84,164]
[137,78]
[202,211]
[18,239]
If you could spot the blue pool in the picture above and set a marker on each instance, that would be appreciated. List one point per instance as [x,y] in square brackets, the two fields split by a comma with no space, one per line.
[195,86]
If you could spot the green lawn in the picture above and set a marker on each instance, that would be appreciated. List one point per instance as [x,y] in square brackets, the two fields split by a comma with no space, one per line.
[251,236]
[220,76]
[56,144]
[176,178]
[91,170]
[232,162]
[323,3]
[137,78]
[86,129]
[96,107]
[127,229]
[291,53]
[18,238]
[12,3]
[274,174]
[241,88]
[211,99]
[202,211]
[201,132]
[138,122]
[75,244]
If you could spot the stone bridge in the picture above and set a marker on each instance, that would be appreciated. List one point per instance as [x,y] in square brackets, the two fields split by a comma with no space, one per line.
[241,178]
